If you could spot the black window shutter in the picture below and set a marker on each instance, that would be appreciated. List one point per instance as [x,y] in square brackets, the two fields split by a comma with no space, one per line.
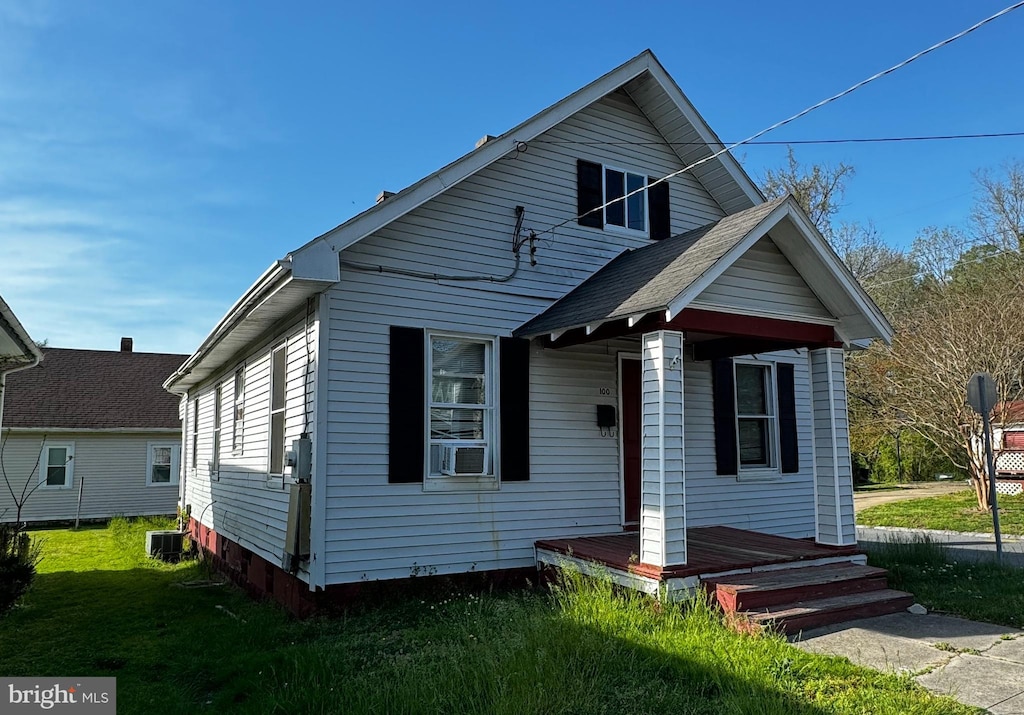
[723,388]
[514,420]
[789,454]
[659,207]
[406,430]
[589,193]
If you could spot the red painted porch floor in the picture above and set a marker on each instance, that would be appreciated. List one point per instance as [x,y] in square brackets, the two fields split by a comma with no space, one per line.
[709,550]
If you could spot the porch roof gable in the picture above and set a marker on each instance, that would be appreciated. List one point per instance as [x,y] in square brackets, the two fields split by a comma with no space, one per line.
[665,277]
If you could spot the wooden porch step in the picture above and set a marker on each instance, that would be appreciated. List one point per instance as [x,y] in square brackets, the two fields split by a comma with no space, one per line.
[760,590]
[802,615]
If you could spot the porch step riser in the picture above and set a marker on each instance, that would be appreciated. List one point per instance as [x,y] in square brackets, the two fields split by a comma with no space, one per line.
[826,617]
[760,600]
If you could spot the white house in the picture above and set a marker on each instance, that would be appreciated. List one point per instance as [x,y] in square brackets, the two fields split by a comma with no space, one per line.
[541,342]
[90,434]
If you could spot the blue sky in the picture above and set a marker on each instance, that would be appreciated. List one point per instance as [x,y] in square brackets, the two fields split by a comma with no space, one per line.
[155,158]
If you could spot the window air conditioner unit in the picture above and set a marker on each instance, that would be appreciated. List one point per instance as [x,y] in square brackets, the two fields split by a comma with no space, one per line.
[164,545]
[463,461]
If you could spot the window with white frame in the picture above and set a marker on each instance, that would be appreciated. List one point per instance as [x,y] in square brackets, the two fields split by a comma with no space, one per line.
[162,463]
[630,212]
[58,467]
[218,398]
[278,377]
[238,416]
[195,432]
[755,415]
[461,420]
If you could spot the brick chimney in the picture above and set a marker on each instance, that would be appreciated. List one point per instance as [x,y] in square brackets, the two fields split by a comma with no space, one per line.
[126,345]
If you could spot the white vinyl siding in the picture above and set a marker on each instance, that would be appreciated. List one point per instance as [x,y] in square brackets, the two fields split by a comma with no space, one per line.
[243,505]
[377,530]
[763,281]
[110,469]
[783,506]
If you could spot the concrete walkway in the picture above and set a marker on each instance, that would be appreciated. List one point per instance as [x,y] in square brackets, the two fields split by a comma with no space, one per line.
[977,663]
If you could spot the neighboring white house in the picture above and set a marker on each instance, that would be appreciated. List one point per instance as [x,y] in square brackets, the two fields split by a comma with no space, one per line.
[505,352]
[94,424]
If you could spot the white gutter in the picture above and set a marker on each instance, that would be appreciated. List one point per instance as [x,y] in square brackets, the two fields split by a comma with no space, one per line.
[10,324]
[271,279]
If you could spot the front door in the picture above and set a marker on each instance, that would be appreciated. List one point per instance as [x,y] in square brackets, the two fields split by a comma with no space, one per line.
[629,383]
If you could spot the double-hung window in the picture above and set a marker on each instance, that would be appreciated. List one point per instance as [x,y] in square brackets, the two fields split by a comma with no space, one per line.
[755,415]
[162,464]
[218,396]
[278,377]
[239,411]
[195,433]
[625,199]
[57,465]
[461,400]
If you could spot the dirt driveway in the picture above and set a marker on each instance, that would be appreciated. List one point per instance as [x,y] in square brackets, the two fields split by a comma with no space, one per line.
[862,500]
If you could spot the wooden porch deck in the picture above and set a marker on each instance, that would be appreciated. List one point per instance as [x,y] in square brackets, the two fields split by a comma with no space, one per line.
[710,550]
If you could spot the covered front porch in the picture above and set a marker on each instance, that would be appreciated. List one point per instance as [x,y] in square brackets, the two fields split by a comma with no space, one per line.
[712,551]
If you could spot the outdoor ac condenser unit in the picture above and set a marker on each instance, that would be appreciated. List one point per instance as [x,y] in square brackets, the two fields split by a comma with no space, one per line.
[164,545]
[463,461]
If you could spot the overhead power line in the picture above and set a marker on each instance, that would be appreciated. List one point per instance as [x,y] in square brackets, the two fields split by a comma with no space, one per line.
[802,113]
[781,142]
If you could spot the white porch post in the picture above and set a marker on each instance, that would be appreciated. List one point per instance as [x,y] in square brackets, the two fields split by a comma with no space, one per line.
[833,472]
[662,486]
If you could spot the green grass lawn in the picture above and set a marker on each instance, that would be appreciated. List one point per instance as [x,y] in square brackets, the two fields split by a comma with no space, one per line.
[979,591]
[953,512]
[98,607]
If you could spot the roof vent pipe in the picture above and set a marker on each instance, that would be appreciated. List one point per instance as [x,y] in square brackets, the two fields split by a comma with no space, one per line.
[126,345]
[384,196]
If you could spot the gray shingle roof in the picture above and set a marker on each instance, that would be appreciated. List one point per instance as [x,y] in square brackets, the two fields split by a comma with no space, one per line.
[647,279]
[93,389]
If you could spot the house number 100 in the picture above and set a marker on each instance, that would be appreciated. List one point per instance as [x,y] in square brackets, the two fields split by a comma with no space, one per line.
[605,391]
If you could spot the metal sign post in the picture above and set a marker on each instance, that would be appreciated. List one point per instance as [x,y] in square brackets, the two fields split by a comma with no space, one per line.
[981,396]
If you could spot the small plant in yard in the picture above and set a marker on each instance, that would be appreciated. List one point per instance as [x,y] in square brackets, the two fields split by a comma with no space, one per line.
[18,559]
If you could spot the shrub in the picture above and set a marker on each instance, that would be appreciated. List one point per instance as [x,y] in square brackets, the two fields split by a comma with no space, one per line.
[18,559]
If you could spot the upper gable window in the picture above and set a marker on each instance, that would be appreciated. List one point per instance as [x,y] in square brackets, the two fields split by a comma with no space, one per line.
[604,200]
[628,212]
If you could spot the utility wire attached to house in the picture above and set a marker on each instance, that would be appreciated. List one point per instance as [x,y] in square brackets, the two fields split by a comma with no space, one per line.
[798,115]
[794,142]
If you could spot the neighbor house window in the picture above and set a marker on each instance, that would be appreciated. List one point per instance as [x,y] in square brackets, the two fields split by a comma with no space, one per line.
[217,399]
[460,407]
[755,415]
[195,432]
[239,411]
[162,463]
[278,376]
[57,466]
[630,212]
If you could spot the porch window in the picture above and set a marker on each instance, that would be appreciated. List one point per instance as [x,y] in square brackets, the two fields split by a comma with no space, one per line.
[460,407]
[755,415]
[57,469]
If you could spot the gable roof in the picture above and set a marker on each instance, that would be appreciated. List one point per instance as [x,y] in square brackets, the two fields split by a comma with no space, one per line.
[666,276]
[649,86]
[314,266]
[17,349]
[93,389]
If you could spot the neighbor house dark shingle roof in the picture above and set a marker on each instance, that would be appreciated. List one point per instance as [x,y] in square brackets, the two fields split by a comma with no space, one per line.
[93,389]
[647,279]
